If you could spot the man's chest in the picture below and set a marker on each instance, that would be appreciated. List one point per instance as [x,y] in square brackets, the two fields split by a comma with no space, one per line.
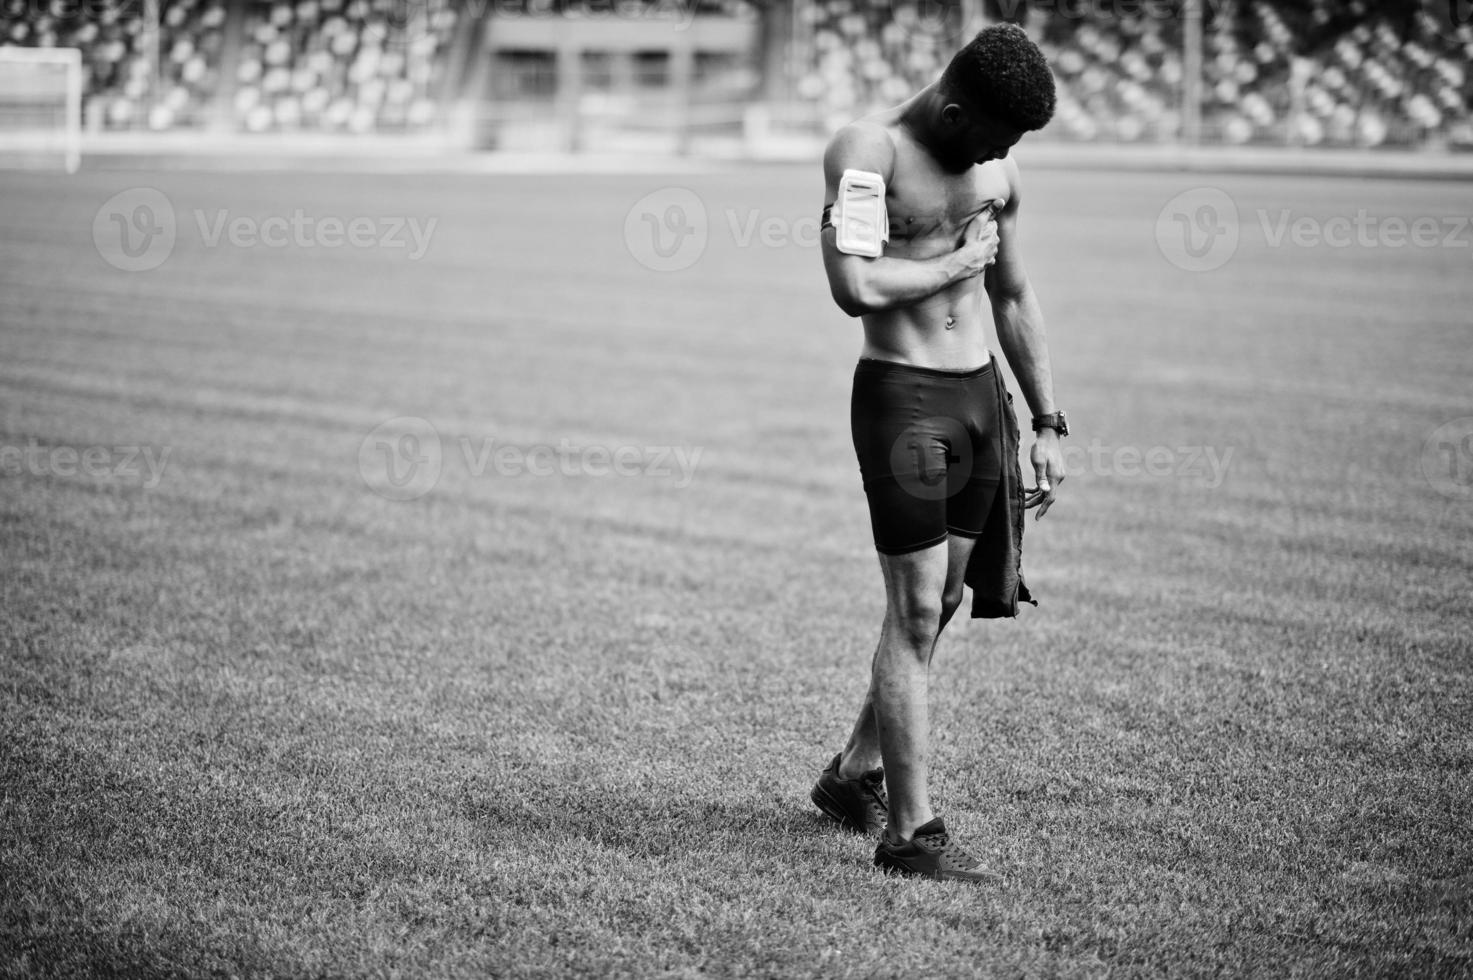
[927,205]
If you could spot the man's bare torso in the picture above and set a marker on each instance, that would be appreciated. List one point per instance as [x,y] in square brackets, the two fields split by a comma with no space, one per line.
[930,210]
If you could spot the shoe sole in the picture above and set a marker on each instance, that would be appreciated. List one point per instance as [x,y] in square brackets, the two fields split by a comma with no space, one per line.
[906,871]
[833,810]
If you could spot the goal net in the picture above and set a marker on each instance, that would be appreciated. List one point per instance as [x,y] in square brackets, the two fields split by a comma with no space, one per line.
[41,107]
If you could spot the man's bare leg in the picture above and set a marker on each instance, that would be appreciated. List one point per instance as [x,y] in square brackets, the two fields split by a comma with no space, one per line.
[923,591]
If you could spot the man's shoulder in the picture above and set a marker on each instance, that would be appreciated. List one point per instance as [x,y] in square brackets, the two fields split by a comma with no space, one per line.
[865,144]
[867,130]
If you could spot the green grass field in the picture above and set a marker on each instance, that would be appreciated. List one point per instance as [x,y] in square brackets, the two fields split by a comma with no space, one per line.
[257,719]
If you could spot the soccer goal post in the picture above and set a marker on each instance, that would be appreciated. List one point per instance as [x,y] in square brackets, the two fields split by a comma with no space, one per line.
[41,106]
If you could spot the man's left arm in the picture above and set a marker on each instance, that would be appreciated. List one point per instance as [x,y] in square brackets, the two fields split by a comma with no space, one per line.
[1019,322]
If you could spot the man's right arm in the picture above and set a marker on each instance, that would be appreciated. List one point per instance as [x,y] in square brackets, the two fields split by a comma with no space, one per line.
[861,284]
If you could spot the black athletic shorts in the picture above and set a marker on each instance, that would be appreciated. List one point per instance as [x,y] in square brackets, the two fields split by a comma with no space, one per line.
[929,448]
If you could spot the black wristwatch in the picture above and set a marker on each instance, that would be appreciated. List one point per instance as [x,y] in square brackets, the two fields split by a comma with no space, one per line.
[1055,421]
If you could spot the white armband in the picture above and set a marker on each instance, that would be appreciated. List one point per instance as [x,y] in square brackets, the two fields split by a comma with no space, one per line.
[861,223]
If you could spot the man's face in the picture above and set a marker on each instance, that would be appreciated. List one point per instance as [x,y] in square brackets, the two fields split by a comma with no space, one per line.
[974,137]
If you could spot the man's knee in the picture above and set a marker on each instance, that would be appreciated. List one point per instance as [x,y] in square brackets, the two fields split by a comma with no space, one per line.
[916,620]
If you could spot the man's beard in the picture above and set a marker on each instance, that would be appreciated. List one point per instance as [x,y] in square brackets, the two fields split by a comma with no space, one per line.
[952,159]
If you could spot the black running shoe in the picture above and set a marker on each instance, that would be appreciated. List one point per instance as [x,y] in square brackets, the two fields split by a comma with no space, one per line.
[858,804]
[931,853]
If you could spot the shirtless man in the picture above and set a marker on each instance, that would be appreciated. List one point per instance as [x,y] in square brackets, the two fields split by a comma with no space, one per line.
[930,420]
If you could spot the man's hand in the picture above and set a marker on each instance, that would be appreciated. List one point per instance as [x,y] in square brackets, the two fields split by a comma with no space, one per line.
[1048,469]
[977,248]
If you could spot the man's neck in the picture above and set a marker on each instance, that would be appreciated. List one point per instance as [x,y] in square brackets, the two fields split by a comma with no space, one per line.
[919,115]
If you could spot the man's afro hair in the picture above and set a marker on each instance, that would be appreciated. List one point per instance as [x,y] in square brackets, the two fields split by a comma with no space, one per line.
[1002,72]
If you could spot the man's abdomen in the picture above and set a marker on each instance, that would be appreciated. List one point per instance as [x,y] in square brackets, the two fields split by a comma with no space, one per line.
[921,335]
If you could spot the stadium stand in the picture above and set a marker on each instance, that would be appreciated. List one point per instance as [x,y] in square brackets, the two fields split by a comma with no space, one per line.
[357,66]
[1306,72]
[1333,73]
[114,43]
